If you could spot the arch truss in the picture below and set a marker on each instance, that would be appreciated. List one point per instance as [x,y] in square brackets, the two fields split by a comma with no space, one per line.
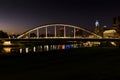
[54,26]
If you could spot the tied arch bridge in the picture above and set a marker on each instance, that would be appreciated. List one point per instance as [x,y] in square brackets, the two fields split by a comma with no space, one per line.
[56,28]
[55,34]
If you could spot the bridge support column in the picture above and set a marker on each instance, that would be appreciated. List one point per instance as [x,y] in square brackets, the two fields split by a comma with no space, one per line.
[74,32]
[64,31]
[37,33]
[46,32]
[55,31]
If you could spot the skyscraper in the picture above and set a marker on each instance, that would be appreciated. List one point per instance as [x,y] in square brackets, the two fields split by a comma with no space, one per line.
[97,30]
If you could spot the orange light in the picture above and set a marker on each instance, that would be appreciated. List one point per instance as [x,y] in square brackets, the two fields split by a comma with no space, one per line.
[7,49]
[7,43]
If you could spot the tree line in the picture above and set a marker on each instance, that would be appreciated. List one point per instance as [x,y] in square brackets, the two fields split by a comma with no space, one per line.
[3,34]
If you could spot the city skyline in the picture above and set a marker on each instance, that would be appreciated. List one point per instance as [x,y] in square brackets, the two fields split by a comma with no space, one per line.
[19,16]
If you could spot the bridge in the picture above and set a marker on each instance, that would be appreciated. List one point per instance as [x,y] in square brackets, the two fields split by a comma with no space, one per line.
[57,31]
[57,34]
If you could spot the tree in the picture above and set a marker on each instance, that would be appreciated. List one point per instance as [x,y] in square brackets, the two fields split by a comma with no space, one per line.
[3,34]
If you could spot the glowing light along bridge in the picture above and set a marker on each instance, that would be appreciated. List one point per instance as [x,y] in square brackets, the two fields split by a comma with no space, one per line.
[56,27]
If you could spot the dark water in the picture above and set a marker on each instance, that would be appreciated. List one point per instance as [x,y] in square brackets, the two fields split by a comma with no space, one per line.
[78,63]
[60,62]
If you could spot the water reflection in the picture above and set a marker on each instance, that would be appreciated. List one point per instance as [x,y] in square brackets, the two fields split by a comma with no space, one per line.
[26,50]
[38,48]
[7,49]
[20,50]
[34,48]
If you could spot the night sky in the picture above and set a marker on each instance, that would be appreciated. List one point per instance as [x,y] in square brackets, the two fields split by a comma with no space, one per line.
[20,15]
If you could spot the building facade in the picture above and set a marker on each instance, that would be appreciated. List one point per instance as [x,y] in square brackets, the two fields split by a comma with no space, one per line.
[116,24]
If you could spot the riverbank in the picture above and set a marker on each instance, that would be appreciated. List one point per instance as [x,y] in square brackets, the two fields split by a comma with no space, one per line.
[81,63]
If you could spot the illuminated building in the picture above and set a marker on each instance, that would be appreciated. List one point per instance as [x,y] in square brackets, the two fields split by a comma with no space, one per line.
[97,30]
[7,43]
[110,33]
[116,24]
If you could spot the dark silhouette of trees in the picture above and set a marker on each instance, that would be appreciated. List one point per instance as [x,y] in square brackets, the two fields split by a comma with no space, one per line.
[3,34]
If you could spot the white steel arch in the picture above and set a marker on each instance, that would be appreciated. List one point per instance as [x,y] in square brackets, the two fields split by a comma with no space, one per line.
[55,25]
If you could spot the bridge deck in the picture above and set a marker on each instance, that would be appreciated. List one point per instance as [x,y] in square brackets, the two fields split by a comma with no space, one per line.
[64,39]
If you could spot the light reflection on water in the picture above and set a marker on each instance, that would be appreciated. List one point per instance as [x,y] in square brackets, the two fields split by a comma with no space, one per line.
[7,49]
[38,48]
[34,48]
